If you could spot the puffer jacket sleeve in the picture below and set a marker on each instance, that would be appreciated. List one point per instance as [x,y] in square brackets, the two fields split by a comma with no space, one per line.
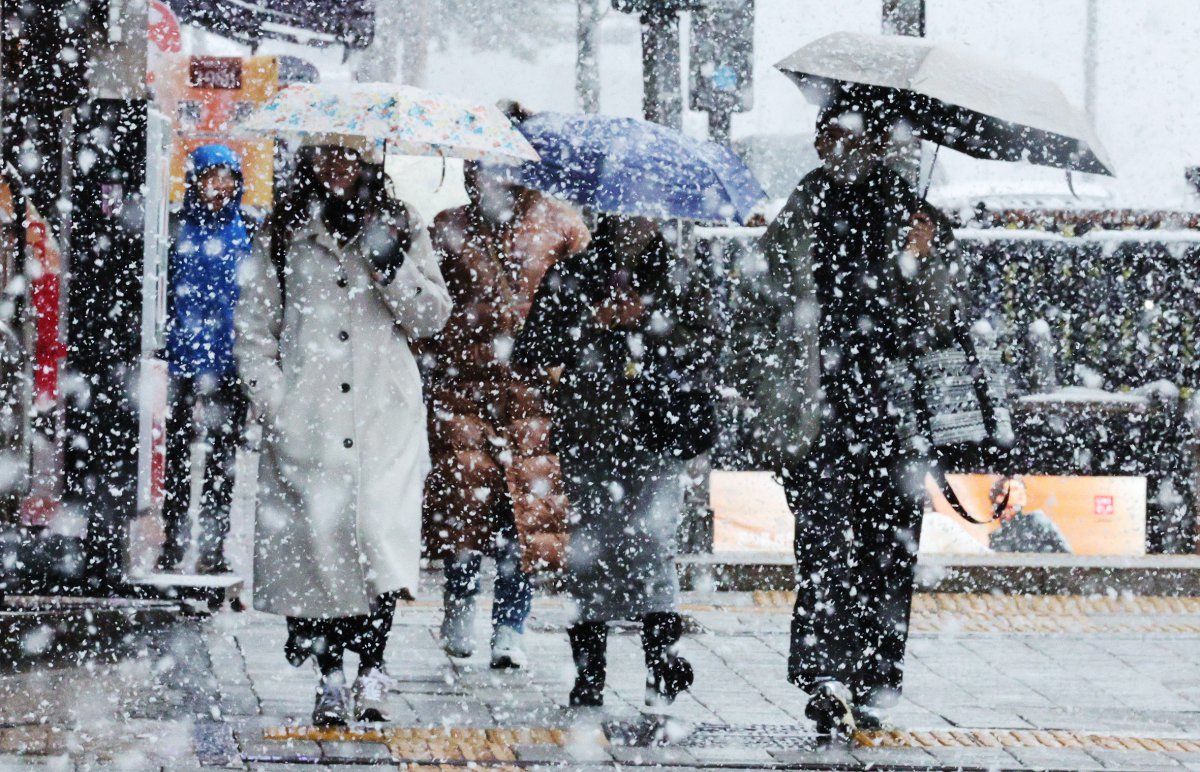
[258,323]
[417,295]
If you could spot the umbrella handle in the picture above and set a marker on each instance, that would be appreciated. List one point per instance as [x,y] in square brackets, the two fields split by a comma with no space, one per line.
[932,166]
[442,181]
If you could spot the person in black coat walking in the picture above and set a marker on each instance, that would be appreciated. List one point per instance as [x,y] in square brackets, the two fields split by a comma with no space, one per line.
[856,280]
[634,340]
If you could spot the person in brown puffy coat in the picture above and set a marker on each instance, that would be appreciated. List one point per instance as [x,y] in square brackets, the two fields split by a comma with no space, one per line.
[495,486]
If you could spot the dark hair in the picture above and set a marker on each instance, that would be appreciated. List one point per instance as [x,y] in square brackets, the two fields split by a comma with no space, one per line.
[295,207]
[651,269]
[514,110]
[877,118]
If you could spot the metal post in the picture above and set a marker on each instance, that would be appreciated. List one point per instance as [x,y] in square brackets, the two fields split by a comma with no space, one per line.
[905,17]
[718,125]
[662,95]
[414,57]
[1089,61]
[587,65]
[377,62]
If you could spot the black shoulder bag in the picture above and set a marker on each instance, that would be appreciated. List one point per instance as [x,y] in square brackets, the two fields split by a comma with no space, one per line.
[955,400]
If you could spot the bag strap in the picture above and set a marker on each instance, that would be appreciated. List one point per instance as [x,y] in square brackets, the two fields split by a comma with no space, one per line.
[939,477]
[987,410]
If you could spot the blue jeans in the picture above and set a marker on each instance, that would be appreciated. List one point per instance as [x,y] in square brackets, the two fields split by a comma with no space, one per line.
[513,591]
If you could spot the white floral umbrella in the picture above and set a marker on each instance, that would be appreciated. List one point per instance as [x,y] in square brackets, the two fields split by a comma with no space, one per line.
[406,119]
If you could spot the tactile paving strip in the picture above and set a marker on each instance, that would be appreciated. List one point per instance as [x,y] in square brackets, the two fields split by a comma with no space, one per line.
[433,745]
[494,747]
[1023,738]
[971,613]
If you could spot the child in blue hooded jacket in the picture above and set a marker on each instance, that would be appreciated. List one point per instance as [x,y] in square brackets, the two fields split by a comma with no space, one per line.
[211,238]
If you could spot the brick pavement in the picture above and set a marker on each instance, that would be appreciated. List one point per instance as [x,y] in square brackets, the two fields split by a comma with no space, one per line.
[993,683]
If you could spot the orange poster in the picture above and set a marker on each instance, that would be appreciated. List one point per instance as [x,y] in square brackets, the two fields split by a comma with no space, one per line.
[1082,515]
[1094,515]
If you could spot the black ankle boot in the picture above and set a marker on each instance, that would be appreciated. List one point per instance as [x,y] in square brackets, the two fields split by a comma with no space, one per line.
[589,644]
[668,674]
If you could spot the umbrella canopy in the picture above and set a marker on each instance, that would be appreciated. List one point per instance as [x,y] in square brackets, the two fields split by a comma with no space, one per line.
[411,121]
[631,167]
[981,108]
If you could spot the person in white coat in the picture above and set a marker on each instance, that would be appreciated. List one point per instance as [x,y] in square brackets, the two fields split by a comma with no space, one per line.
[328,307]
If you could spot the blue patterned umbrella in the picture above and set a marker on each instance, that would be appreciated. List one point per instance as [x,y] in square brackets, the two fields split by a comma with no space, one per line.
[631,167]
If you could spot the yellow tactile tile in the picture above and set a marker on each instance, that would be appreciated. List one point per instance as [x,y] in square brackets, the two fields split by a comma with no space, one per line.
[1023,738]
[432,745]
[975,613]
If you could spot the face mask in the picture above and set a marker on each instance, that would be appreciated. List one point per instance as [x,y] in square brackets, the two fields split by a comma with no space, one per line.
[850,164]
[497,201]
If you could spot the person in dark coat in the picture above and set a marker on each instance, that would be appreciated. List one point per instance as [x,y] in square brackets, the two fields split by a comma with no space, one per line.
[1022,531]
[212,238]
[855,276]
[619,322]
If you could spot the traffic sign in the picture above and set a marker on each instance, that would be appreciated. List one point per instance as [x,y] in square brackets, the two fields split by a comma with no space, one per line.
[722,56]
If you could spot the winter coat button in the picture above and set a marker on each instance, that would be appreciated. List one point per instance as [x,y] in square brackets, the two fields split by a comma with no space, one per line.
[343,335]
[345,387]
[348,443]
[341,282]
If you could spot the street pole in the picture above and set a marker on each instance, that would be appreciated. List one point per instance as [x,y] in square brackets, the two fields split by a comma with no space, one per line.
[587,64]
[907,18]
[1089,62]
[662,94]
[719,125]
[414,61]
[377,62]
[904,17]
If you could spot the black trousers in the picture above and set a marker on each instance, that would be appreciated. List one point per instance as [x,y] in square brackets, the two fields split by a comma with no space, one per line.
[858,520]
[223,406]
[327,640]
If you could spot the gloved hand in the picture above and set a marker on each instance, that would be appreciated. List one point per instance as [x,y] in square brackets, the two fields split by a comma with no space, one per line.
[386,240]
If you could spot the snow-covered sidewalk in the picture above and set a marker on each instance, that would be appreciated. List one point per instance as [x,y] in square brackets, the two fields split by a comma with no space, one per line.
[1037,682]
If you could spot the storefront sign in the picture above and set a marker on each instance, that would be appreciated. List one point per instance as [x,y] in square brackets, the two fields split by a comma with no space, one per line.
[217,72]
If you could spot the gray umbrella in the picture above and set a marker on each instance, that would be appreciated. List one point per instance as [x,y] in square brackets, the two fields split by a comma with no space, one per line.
[953,98]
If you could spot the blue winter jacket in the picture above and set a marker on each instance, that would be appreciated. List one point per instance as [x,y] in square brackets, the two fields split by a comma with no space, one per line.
[209,247]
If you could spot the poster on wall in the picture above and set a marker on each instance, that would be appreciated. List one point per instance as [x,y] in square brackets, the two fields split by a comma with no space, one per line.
[1043,513]
[1077,515]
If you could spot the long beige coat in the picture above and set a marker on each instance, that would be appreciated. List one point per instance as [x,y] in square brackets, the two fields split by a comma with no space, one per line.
[344,450]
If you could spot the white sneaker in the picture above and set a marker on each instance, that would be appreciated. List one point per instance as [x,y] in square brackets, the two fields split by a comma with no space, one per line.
[507,650]
[458,627]
[370,690]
